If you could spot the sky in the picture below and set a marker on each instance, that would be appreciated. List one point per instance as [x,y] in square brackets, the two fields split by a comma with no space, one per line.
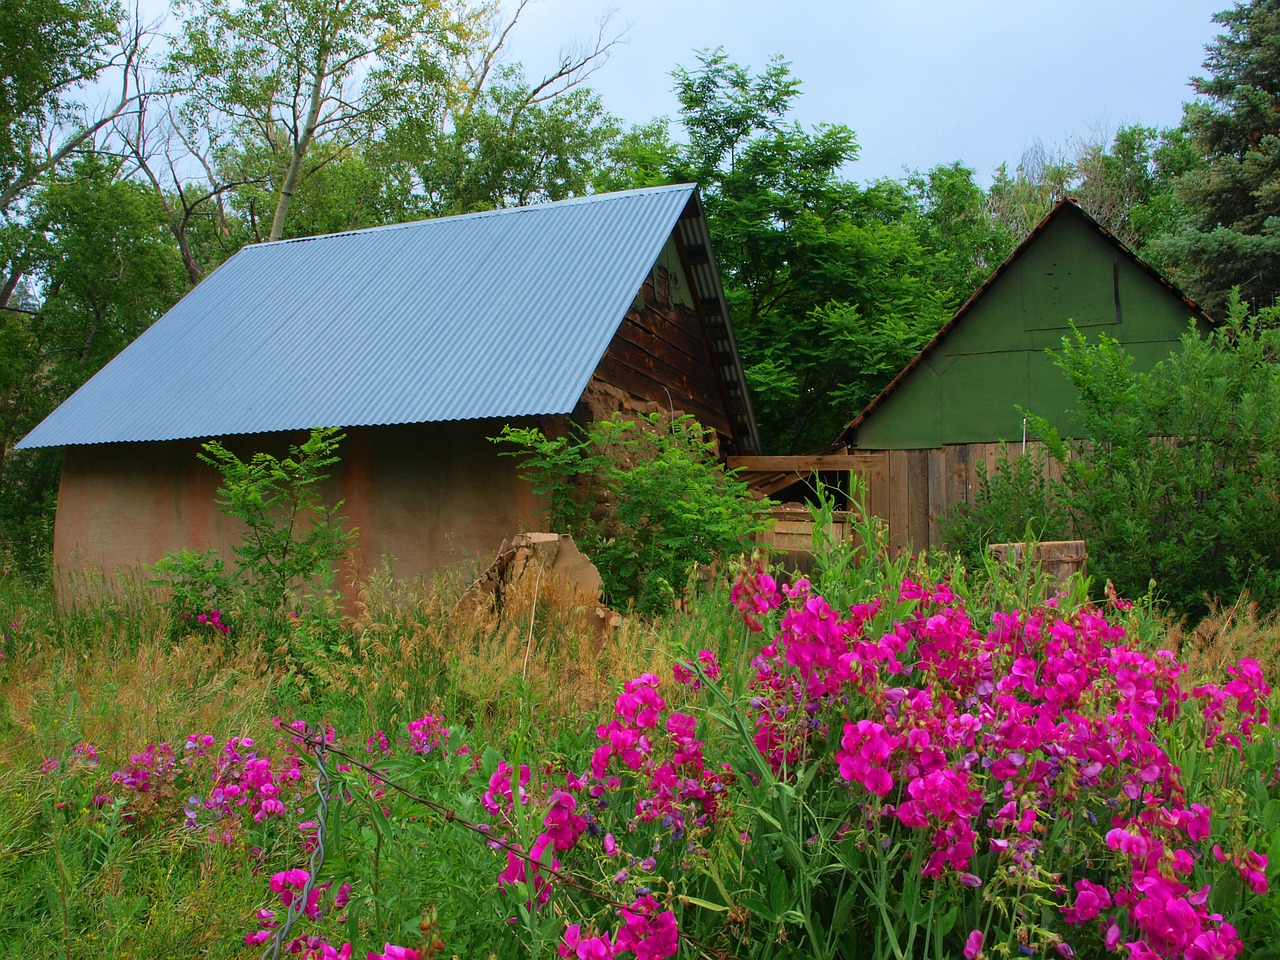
[921,82]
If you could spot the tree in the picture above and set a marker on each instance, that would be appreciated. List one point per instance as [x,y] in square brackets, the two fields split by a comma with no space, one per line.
[51,52]
[954,219]
[186,163]
[102,270]
[825,280]
[1233,234]
[510,147]
[1041,178]
[417,86]
[1118,183]
[287,73]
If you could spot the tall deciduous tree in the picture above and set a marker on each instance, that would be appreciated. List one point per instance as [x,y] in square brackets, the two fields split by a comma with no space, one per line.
[508,148]
[955,221]
[825,280]
[103,268]
[51,52]
[288,73]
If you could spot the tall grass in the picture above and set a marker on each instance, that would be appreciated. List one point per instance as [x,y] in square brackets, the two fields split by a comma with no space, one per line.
[81,881]
[111,669]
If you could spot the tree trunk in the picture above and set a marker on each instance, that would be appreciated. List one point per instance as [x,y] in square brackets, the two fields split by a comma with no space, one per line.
[300,149]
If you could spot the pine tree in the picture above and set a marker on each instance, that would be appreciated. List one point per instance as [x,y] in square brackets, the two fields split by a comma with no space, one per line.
[1233,234]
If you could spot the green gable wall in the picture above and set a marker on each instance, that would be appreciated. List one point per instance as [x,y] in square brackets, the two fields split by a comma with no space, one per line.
[970,384]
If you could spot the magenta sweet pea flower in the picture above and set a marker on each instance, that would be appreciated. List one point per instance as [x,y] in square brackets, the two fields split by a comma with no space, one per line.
[392,952]
[973,945]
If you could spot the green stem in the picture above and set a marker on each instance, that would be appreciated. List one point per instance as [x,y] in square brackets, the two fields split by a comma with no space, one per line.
[377,877]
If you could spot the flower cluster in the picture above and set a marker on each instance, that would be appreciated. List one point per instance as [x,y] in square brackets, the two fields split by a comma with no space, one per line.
[647,930]
[659,752]
[213,619]
[291,887]
[241,782]
[1039,720]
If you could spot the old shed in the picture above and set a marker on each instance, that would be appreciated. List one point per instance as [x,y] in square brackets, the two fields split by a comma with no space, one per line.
[991,358]
[917,445]
[421,340]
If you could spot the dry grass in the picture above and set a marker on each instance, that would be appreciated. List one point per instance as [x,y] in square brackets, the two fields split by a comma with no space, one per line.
[424,648]
[105,670]
[1226,635]
[161,692]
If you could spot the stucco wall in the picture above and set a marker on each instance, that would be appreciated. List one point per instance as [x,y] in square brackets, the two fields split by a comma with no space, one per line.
[424,496]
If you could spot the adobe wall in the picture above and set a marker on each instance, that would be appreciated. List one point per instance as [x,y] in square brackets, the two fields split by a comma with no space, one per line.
[425,496]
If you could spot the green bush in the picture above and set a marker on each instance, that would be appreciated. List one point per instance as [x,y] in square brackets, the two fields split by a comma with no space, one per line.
[1015,503]
[645,498]
[1177,489]
[293,540]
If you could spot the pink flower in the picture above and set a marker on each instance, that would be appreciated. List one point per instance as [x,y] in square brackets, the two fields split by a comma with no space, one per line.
[391,952]
[1112,939]
[574,944]
[710,666]
[498,797]
[648,931]
[973,945]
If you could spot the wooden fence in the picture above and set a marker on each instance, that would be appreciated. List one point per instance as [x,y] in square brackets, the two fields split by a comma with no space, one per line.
[911,490]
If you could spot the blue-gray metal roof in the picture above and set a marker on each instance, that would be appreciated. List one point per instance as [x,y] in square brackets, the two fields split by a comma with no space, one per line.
[497,314]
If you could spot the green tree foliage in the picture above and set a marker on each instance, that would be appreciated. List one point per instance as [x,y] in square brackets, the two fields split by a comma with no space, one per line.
[51,51]
[106,269]
[416,91]
[645,498]
[825,281]
[511,145]
[285,75]
[1179,483]
[1233,197]
[1128,186]
[954,219]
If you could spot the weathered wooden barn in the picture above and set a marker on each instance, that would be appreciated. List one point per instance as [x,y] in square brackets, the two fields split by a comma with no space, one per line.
[917,444]
[421,340]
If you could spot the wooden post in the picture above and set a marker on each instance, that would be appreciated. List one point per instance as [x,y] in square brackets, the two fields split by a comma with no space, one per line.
[898,516]
[937,497]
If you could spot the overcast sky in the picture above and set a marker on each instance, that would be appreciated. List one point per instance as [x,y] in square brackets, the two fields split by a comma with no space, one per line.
[921,82]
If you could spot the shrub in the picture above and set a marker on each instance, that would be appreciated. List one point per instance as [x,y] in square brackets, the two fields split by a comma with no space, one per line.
[1177,487]
[1015,503]
[1180,479]
[644,497]
[293,541]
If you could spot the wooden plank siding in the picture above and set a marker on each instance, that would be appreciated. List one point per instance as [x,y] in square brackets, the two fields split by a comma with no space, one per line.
[659,354]
[912,491]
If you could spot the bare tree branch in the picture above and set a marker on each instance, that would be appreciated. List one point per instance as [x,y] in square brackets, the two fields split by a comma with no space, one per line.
[126,60]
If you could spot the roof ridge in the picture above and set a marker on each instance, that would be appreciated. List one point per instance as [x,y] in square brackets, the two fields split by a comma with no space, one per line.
[481,214]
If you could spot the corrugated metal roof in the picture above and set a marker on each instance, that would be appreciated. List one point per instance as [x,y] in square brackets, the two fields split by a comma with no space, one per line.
[497,314]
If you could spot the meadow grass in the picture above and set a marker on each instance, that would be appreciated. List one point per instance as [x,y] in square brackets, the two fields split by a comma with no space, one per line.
[111,670]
